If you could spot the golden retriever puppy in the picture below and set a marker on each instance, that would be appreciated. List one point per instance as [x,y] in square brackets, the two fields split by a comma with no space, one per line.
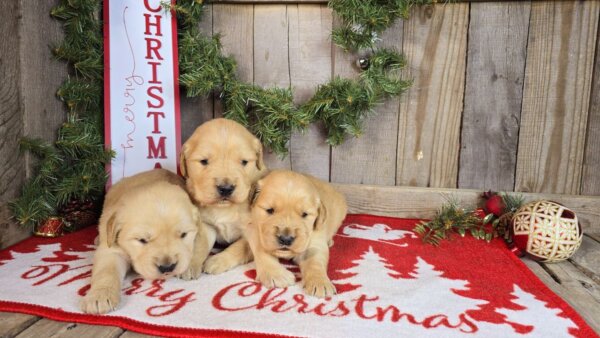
[149,223]
[294,216]
[221,162]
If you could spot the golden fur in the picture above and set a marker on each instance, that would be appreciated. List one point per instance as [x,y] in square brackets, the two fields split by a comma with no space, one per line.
[293,207]
[222,153]
[149,223]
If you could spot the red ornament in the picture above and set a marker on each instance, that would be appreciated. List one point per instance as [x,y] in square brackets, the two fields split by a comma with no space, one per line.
[479,212]
[546,231]
[51,227]
[495,205]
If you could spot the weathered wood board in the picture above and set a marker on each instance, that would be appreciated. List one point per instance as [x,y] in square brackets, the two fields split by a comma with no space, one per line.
[271,59]
[12,166]
[494,90]
[49,328]
[435,44]
[235,26]
[556,94]
[43,111]
[371,158]
[310,65]
[417,202]
[590,182]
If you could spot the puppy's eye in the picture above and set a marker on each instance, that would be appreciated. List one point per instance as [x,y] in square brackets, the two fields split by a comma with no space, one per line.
[270,211]
[244,162]
[183,234]
[204,162]
[143,241]
[304,215]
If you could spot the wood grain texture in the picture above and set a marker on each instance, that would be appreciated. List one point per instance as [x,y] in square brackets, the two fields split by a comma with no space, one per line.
[570,276]
[583,293]
[435,44]
[370,158]
[310,65]
[560,55]
[271,59]
[590,182]
[594,235]
[416,202]
[50,328]
[12,166]
[12,324]
[493,94]
[578,298]
[235,25]
[197,110]
[587,258]
[131,334]
[41,73]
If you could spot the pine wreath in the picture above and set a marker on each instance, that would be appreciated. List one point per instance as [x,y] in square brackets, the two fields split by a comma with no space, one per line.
[72,168]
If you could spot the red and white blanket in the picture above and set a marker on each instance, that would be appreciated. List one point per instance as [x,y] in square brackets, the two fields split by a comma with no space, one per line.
[389,284]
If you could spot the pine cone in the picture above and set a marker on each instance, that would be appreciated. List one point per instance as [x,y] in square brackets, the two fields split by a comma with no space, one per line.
[80,214]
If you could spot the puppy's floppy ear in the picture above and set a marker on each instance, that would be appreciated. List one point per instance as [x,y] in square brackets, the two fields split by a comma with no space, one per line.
[321,217]
[255,191]
[182,163]
[112,230]
[260,163]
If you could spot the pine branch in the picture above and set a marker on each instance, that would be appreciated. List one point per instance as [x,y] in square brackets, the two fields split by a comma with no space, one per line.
[452,219]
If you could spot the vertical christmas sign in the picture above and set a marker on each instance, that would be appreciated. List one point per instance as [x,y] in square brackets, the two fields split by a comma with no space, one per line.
[140,87]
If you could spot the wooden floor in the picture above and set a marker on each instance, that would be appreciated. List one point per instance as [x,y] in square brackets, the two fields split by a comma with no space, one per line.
[576,280]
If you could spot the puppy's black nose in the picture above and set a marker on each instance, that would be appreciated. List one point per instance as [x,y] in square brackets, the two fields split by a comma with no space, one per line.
[225,190]
[167,268]
[285,240]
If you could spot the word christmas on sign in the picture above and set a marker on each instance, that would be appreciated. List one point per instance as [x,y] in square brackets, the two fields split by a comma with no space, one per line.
[141,87]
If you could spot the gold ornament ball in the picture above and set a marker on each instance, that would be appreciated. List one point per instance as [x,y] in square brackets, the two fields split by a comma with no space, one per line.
[547,231]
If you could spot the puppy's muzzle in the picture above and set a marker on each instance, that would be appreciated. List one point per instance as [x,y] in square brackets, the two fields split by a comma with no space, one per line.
[225,190]
[285,240]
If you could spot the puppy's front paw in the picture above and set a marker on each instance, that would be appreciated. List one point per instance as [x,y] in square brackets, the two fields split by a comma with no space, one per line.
[219,263]
[276,278]
[98,301]
[193,272]
[319,286]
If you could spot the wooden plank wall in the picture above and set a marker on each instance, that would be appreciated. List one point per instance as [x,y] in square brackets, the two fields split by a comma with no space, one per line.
[504,93]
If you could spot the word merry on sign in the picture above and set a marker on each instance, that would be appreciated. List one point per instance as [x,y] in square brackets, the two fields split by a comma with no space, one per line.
[141,88]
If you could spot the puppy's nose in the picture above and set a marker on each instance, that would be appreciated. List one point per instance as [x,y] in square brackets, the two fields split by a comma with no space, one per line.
[167,268]
[285,240]
[225,190]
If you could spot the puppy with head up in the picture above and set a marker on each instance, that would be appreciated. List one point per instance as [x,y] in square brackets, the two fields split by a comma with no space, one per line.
[294,216]
[221,161]
[149,223]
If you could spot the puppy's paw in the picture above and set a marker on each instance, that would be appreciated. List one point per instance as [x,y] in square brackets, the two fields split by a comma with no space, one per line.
[99,301]
[319,286]
[219,263]
[193,272]
[276,278]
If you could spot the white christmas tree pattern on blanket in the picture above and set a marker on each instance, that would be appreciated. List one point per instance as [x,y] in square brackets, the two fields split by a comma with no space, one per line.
[424,295]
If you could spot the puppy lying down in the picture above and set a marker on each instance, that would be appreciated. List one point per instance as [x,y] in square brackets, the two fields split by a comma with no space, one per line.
[294,216]
[148,223]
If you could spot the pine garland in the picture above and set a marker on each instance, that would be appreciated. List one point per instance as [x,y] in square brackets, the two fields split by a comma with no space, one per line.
[364,21]
[72,168]
[341,104]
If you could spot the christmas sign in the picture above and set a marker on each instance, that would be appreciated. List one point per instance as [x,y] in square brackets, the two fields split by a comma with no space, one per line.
[141,87]
[389,283]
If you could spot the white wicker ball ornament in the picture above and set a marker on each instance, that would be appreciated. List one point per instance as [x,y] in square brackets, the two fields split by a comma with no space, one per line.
[546,231]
